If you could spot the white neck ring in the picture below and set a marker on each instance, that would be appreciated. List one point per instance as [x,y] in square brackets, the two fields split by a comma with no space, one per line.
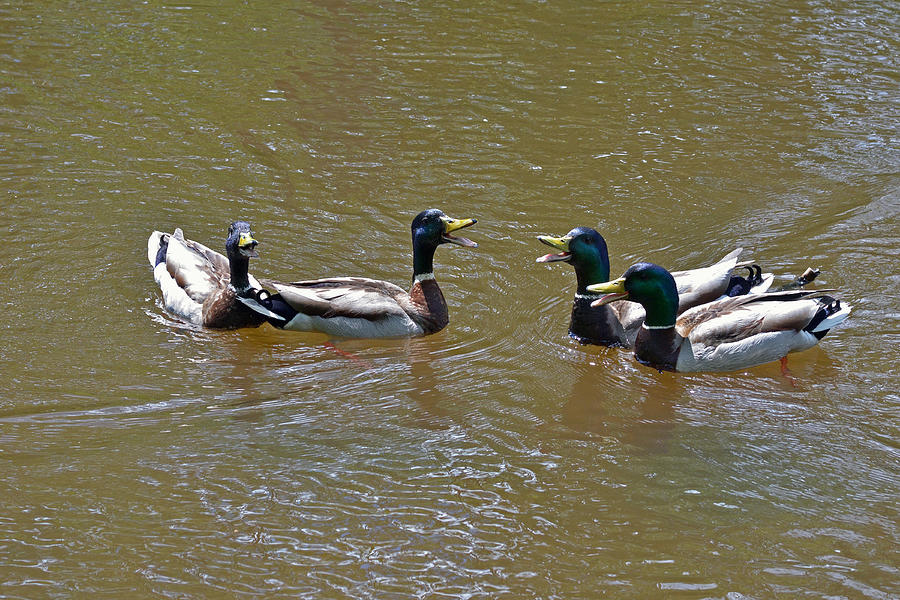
[645,326]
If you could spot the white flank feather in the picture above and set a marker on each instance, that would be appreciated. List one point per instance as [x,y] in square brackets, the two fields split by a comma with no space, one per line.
[748,352]
[393,326]
[772,343]
[175,298]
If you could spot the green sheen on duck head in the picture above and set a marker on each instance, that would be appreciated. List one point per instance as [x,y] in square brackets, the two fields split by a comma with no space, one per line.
[430,229]
[585,249]
[649,285]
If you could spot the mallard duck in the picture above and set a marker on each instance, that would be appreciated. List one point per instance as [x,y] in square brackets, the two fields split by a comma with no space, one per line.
[369,308]
[202,286]
[617,325]
[724,335]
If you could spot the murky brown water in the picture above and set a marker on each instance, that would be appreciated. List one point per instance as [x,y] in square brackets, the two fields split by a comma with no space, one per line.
[497,459]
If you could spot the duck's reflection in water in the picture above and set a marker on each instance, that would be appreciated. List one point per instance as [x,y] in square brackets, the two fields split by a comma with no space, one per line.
[425,382]
[614,397]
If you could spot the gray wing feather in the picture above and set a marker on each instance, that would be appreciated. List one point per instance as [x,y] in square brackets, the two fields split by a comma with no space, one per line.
[354,297]
[732,319]
[195,267]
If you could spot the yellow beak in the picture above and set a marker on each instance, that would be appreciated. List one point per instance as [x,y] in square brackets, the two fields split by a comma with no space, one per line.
[560,243]
[613,290]
[616,286]
[246,240]
[451,225]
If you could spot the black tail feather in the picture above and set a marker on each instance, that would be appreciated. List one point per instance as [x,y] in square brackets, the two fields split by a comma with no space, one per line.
[163,249]
[739,286]
[277,305]
[829,306]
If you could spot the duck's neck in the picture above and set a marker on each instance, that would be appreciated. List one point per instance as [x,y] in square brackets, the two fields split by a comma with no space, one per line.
[658,347]
[593,325]
[661,310]
[423,259]
[431,313]
[590,272]
[657,343]
[599,325]
[240,268]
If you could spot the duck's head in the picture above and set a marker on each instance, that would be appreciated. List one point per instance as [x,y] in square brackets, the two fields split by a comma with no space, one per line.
[647,284]
[240,240]
[432,228]
[585,249]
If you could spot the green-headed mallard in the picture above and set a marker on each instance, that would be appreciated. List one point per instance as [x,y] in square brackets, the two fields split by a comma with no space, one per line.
[202,286]
[369,308]
[617,325]
[724,335]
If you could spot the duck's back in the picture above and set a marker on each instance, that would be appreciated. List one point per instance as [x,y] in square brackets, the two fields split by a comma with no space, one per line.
[199,271]
[348,306]
[745,331]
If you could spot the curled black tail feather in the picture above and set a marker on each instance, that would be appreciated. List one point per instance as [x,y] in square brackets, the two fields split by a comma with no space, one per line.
[828,306]
[739,286]
[277,305]
[163,249]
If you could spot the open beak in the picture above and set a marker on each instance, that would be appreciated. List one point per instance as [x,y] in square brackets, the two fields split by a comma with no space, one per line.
[560,243]
[451,225]
[612,290]
[247,245]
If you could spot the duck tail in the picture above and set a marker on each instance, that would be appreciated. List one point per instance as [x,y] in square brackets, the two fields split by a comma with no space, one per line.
[732,258]
[163,249]
[755,281]
[831,312]
[277,311]
[157,247]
